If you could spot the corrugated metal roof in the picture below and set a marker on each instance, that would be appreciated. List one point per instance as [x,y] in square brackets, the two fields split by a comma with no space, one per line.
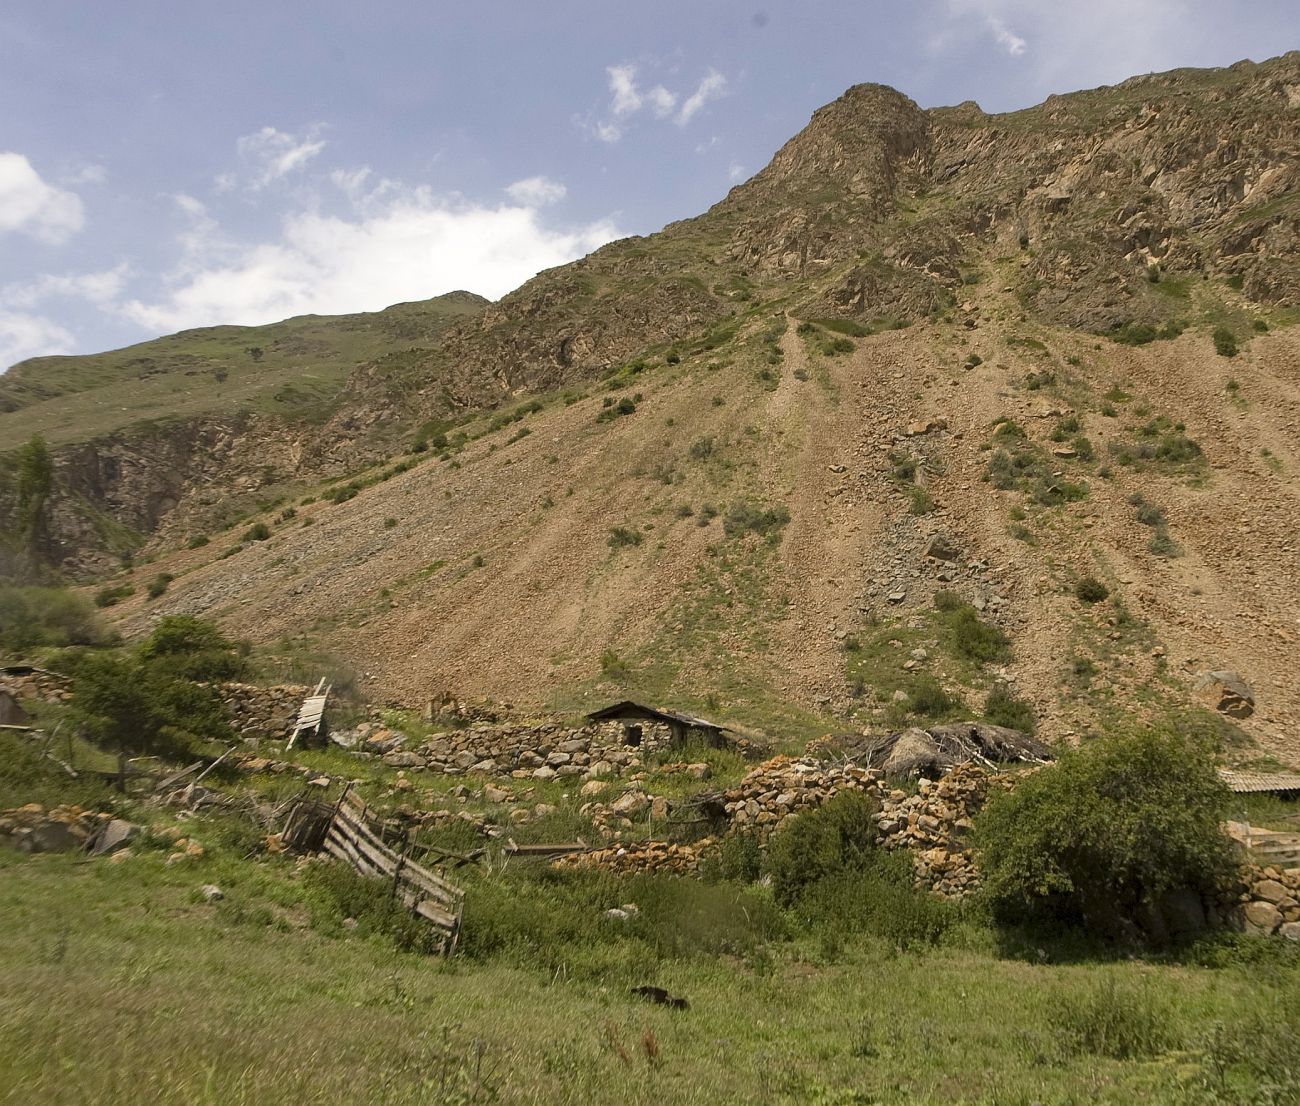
[1251,782]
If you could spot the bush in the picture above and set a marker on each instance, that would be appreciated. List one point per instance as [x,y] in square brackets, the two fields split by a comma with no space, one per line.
[198,541]
[1225,342]
[825,866]
[193,649]
[743,518]
[977,641]
[108,597]
[259,531]
[927,697]
[159,584]
[1002,708]
[1090,590]
[1102,834]
[47,617]
[837,836]
[620,536]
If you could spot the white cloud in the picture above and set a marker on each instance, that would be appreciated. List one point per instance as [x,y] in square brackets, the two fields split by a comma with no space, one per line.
[100,288]
[1006,37]
[91,173]
[536,191]
[735,172]
[628,99]
[269,155]
[661,101]
[1074,45]
[622,86]
[24,335]
[32,206]
[710,88]
[398,244]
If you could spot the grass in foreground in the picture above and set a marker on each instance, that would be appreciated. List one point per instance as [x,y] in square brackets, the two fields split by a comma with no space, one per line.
[121,985]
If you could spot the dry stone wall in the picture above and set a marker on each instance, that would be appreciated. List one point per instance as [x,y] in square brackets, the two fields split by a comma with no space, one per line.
[48,687]
[537,751]
[262,711]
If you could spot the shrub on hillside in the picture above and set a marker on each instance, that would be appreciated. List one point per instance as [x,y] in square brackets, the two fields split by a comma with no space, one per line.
[1102,834]
[32,618]
[1225,342]
[1090,590]
[743,518]
[1002,708]
[193,649]
[825,866]
[837,836]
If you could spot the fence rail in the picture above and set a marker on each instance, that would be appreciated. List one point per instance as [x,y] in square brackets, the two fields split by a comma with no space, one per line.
[351,838]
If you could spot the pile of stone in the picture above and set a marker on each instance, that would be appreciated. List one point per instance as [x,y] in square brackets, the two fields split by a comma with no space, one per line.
[262,711]
[26,682]
[34,829]
[641,856]
[935,823]
[783,786]
[1268,903]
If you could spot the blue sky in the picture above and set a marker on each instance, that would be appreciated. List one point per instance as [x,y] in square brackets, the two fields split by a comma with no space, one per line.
[168,165]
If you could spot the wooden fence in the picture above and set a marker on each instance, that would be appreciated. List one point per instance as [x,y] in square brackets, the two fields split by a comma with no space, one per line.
[350,837]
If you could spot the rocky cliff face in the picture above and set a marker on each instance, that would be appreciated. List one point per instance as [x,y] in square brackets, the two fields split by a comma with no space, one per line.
[1098,211]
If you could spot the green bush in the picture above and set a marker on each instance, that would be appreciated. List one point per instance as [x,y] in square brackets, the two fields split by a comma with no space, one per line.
[1002,708]
[158,585]
[193,649]
[32,617]
[1102,834]
[1090,590]
[198,541]
[825,867]
[621,536]
[108,597]
[1225,342]
[744,517]
[259,531]
[977,641]
[837,836]
[928,698]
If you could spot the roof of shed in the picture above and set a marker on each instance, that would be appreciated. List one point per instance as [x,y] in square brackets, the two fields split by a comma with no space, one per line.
[1251,782]
[627,706]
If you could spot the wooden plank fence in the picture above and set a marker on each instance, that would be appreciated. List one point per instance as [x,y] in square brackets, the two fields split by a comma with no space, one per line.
[351,838]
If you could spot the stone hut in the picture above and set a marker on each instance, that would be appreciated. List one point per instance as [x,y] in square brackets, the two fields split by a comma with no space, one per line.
[654,728]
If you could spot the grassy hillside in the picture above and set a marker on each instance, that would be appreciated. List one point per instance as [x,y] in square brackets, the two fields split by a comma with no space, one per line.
[293,369]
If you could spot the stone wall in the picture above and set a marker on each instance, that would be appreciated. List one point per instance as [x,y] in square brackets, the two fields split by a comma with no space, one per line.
[263,711]
[540,751]
[49,687]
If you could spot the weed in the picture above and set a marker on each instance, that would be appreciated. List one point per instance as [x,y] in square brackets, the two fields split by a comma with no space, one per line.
[1090,590]
[621,536]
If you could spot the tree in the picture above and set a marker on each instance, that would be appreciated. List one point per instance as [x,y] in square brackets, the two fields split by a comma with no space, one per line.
[190,648]
[1102,835]
[133,706]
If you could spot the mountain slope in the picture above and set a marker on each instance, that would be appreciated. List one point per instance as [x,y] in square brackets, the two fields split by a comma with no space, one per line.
[707,465]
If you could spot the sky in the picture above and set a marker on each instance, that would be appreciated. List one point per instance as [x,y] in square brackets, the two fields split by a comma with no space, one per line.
[166,166]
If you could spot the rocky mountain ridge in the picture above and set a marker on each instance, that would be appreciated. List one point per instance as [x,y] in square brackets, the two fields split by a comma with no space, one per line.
[708,464]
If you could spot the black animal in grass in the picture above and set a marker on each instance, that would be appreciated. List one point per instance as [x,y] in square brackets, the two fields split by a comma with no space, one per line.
[662,997]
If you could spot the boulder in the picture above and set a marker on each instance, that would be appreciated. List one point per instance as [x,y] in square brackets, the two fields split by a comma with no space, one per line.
[1226,692]
[1261,917]
[1270,891]
[941,549]
[630,803]
[115,835]
[1291,931]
